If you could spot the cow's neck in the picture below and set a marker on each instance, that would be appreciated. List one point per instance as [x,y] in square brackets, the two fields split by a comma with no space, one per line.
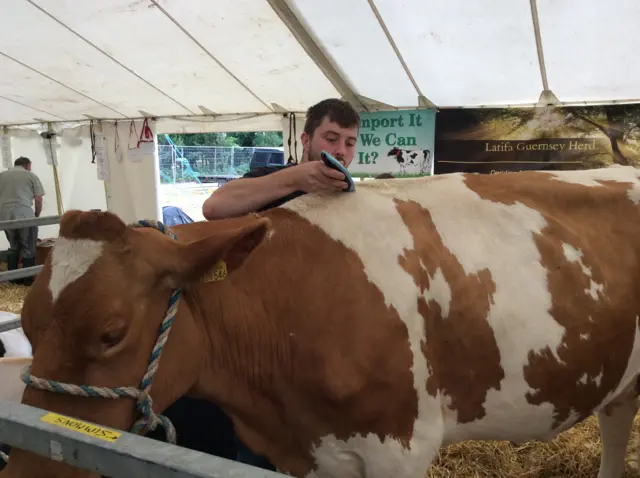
[248,359]
[245,347]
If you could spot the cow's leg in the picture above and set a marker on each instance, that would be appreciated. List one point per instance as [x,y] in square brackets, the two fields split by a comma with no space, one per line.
[615,429]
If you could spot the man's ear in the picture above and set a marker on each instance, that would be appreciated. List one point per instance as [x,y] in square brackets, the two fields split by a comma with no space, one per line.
[192,261]
[305,139]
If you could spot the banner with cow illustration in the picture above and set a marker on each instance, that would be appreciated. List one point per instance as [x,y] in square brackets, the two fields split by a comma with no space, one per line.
[552,138]
[398,142]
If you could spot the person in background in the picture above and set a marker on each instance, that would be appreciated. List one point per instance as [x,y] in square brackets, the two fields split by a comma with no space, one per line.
[21,194]
[331,125]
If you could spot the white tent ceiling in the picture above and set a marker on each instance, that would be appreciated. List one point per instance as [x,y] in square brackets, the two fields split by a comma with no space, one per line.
[69,60]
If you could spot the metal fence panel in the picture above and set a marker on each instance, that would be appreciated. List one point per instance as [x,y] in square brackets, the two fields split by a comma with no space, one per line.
[186,163]
[32,221]
[20,223]
[111,452]
[10,325]
[19,273]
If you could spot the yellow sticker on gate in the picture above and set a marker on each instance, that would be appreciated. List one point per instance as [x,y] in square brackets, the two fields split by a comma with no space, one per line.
[76,425]
[219,272]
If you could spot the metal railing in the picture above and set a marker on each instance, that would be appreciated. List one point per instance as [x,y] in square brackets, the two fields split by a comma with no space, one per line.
[185,163]
[32,221]
[17,224]
[108,451]
[10,325]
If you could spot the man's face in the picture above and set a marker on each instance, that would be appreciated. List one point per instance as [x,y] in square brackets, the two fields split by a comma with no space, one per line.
[332,138]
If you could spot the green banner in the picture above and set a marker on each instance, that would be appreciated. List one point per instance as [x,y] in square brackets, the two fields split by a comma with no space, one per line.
[553,138]
[399,142]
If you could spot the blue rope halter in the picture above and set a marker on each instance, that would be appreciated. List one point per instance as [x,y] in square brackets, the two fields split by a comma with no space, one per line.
[144,405]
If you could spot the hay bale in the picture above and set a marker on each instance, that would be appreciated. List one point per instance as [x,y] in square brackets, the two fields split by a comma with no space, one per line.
[574,453]
[11,295]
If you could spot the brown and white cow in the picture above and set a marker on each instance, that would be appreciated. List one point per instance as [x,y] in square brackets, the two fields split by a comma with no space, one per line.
[358,333]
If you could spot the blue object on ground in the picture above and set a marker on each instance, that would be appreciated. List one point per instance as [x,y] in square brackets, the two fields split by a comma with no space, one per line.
[173,216]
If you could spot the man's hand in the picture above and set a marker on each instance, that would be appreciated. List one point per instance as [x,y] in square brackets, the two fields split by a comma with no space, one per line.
[38,205]
[315,176]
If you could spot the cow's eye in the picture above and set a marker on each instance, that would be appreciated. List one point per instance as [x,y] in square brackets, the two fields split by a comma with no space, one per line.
[113,336]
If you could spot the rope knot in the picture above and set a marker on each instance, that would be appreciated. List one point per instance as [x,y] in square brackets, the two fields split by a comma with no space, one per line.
[149,420]
[144,404]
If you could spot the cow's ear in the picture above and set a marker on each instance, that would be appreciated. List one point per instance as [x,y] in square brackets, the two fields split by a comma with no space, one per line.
[215,256]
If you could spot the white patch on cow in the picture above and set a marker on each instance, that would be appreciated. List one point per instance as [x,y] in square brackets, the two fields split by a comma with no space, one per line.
[598,379]
[365,457]
[595,291]
[634,194]
[519,314]
[70,260]
[590,177]
[574,255]
[440,292]
[571,420]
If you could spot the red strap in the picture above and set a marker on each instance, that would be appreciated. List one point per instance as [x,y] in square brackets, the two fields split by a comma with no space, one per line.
[146,133]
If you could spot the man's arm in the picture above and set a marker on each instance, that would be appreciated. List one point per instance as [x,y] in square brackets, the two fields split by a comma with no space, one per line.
[38,205]
[245,195]
[38,192]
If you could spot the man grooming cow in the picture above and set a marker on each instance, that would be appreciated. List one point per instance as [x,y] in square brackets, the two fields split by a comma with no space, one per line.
[425,312]
[331,125]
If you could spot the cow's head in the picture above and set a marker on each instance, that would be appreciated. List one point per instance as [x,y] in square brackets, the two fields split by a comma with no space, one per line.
[94,312]
[396,152]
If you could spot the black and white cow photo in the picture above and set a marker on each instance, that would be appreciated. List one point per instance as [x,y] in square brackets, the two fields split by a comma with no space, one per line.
[417,161]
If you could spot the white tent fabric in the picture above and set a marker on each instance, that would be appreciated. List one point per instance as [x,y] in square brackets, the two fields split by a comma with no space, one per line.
[65,60]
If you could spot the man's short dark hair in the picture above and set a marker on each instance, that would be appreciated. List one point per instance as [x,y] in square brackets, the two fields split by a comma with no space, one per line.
[338,111]
[22,161]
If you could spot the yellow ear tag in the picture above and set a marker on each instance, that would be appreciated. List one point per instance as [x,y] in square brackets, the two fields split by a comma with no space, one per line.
[219,272]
